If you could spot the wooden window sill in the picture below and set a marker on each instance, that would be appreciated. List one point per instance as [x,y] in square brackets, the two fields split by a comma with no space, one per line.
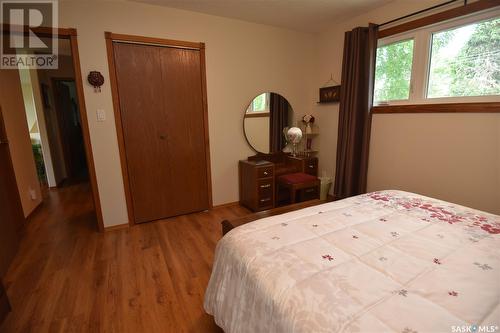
[257,115]
[484,107]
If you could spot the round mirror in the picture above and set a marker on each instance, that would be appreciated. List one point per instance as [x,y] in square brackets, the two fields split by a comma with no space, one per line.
[265,120]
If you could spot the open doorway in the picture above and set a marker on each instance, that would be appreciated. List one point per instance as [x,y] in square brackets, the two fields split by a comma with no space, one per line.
[55,131]
[70,128]
[54,121]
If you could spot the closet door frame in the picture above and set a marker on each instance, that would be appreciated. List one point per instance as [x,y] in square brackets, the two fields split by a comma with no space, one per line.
[110,39]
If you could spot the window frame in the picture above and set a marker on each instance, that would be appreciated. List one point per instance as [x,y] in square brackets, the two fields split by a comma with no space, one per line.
[266,109]
[393,40]
[422,53]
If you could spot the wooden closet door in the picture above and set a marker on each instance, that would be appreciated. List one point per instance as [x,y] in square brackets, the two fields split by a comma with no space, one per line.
[161,112]
[183,105]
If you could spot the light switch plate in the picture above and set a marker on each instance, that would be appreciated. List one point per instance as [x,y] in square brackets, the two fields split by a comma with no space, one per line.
[101,115]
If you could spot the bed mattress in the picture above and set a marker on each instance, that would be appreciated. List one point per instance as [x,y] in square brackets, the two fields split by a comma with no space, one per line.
[387,261]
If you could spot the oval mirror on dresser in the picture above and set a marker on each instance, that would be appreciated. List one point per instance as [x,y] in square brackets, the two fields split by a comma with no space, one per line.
[265,118]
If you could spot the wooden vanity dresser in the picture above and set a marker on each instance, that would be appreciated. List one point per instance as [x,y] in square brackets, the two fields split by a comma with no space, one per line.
[257,178]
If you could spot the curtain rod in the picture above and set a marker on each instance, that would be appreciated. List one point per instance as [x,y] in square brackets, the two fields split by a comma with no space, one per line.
[421,11]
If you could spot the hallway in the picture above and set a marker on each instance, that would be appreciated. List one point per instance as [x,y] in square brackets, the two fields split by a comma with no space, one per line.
[149,278]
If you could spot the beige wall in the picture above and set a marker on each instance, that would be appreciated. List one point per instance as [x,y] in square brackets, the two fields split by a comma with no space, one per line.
[11,100]
[257,132]
[243,59]
[42,126]
[455,157]
[29,102]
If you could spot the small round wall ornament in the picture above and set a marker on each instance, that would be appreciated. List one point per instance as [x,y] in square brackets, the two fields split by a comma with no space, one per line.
[96,79]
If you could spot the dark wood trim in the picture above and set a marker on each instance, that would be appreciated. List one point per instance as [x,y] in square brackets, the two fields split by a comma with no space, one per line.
[488,107]
[153,40]
[229,204]
[257,115]
[205,122]
[440,17]
[85,127]
[44,31]
[28,218]
[4,303]
[228,225]
[110,38]
[119,128]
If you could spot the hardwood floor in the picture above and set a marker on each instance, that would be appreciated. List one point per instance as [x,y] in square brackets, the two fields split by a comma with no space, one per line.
[149,278]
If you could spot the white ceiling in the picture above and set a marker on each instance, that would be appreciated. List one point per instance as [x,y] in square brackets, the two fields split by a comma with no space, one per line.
[301,15]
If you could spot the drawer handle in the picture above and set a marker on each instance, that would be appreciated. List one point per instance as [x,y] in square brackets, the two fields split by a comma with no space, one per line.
[265,186]
[310,190]
[311,166]
[266,173]
[265,199]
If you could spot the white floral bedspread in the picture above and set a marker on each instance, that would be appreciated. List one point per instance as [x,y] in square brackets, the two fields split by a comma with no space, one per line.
[386,261]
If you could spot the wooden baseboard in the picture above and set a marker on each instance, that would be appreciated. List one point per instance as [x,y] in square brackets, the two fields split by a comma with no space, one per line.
[36,209]
[116,227]
[229,204]
[28,218]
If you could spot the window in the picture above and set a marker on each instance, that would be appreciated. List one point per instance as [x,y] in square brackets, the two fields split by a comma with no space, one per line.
[393,71]
[465,61]
[454,61]
[260,103]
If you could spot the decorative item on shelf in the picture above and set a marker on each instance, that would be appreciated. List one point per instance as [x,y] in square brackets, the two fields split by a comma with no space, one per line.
[308,120]
[294,135]
[287,146]
[96,79]
[330,93]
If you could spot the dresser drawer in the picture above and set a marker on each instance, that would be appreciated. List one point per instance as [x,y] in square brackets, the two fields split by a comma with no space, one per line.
[265,172]
[265,187]
[265,201]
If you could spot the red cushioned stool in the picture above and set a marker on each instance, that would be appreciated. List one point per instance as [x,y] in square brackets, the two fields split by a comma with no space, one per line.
[300,185]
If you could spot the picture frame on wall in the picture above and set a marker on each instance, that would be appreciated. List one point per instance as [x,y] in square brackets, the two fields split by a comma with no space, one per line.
[329,94]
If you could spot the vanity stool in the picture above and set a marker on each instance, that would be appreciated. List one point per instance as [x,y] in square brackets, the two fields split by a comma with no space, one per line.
[301,186]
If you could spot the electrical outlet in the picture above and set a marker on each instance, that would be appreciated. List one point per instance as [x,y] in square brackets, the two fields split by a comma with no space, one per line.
[32,194]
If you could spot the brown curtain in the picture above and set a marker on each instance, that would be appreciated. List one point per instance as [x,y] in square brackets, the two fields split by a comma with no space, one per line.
[356,99]
[278,119]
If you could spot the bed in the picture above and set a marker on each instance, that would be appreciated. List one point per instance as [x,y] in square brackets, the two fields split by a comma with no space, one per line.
[387,261]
